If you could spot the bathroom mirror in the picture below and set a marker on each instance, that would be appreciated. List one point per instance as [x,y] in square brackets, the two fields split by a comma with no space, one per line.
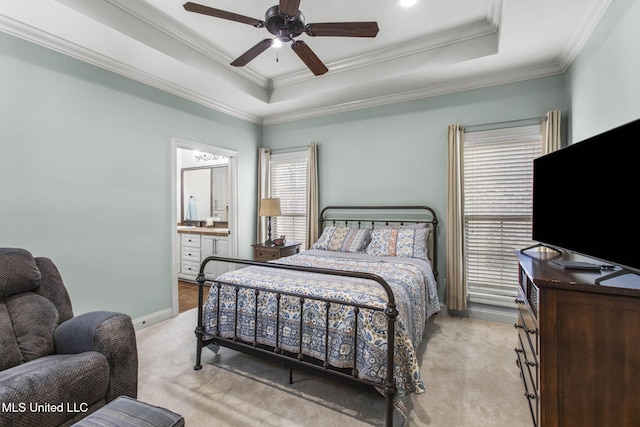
[204,193]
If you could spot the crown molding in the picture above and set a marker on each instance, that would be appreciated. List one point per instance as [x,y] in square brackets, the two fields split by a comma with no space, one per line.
[55,43]
[586,27]
[415,47]
[183,34]
[479,82]
[160,21]
[164,23]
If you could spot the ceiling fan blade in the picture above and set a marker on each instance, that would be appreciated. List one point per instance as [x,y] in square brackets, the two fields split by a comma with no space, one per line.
[309,58]
[249,55]
[343,29]
[289,7]
[217,13]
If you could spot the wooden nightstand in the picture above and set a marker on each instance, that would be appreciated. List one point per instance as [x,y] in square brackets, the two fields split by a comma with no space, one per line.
[267,253]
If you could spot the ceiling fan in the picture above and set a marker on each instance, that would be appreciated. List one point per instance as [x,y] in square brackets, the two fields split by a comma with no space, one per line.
[286,22]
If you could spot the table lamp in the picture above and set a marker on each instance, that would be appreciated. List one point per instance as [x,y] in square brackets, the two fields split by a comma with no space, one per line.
[269,207]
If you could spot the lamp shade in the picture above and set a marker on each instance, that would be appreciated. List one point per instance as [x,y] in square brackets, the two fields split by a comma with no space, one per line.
[269,207]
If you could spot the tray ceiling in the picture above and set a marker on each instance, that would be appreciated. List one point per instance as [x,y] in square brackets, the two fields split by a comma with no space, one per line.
[431,48]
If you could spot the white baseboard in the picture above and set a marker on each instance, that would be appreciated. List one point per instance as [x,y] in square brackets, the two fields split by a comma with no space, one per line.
[491,313]
[152,319]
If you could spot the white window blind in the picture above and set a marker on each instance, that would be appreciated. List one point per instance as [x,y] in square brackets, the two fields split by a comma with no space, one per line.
[498,181]
[288,181]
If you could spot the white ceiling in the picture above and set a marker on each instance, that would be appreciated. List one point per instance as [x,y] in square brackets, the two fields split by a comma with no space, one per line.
[434,47]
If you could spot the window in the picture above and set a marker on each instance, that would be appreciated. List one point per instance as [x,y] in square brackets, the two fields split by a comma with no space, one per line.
[288,181]
[498,180]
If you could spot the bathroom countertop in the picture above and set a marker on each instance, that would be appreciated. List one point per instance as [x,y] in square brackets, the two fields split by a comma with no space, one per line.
[213,231]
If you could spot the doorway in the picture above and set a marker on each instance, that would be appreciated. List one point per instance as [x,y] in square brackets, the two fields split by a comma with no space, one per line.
[216,169]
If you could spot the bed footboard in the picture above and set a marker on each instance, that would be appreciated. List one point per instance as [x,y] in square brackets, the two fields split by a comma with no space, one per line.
[298,359]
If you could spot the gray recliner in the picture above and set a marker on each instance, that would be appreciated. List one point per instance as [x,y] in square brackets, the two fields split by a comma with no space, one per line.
[55,368]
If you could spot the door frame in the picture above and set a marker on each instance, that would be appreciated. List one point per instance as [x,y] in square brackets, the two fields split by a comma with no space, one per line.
[177,143]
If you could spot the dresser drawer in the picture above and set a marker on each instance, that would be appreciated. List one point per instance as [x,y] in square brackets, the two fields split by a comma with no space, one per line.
[530,362]
[191,254]
[265,254]
[527,323]
[290,251]
[530,391]
[527,328]
[191,240]
[190,268]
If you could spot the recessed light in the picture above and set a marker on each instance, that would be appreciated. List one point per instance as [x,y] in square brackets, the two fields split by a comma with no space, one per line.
[407,3]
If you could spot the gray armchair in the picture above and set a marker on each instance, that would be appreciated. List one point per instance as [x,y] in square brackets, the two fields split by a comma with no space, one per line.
[56,368]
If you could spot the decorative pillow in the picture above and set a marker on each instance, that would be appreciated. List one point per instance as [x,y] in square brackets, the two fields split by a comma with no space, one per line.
[400,242]
[343,239]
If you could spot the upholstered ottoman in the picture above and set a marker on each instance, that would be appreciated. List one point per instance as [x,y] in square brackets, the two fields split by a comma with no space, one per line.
[127,412]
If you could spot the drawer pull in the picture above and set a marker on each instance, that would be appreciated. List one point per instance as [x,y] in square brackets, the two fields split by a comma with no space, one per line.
[532,364]
[530,396]
[528,330]
[518,350]
[519,301]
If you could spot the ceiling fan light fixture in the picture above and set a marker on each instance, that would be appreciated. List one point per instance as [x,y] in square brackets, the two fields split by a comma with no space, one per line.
[285,22]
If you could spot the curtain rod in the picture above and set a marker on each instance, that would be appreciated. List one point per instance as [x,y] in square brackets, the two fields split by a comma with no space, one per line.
[498,125]
[289,149]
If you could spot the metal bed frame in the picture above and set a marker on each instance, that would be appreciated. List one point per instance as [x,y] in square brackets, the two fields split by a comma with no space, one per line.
[297,359]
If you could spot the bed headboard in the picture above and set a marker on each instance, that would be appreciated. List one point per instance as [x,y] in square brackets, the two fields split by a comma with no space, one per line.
[373,216]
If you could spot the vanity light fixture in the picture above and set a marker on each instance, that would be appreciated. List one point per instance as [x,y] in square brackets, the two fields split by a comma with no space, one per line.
[206,157]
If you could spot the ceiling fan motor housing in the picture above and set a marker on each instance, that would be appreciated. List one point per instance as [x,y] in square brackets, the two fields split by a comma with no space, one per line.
[282,27]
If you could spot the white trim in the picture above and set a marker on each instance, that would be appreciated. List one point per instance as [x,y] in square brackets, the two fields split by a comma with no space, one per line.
[233,204]
[508,134]
[489,313]
[494,79]
[587,25]
[492,313]
[152,319]
[57,43]
[290,156]
[494,300]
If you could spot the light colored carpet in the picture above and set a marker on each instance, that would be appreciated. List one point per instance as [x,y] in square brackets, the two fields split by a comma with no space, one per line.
[468,367]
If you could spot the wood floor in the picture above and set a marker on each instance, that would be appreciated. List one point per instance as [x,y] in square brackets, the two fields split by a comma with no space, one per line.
[188,295]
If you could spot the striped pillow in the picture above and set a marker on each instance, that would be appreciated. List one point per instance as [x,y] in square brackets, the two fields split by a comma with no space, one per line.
[343,239]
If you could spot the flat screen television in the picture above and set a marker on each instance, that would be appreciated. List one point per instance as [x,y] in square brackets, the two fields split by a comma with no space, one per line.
[586,197]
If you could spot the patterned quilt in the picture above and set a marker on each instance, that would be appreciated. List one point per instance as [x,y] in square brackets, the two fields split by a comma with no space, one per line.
[412,283]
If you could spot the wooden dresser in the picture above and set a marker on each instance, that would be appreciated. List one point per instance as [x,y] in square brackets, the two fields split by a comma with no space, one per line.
[263,252]
[578,345]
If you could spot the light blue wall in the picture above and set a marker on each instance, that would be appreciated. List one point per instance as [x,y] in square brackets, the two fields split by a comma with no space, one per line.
[603,82]
[85,155]
[85,174]
[397,154]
